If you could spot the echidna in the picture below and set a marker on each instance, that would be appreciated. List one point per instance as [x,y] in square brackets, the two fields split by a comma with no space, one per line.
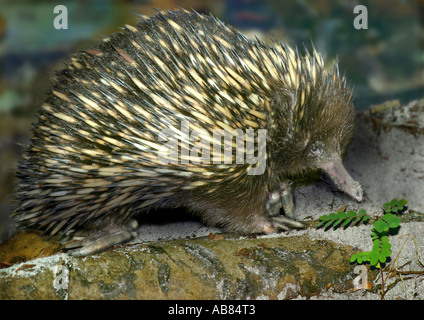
[97,154]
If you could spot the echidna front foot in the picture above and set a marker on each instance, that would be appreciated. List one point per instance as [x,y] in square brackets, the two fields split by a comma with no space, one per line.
[282,197]
[102,241]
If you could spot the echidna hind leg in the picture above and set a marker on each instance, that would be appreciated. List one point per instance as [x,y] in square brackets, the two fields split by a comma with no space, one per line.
[282,197]
[102,240]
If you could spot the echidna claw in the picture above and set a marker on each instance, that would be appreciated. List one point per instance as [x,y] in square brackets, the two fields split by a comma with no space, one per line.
[285,223]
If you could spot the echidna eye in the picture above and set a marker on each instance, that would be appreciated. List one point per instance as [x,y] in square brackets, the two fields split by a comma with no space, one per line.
[315,150]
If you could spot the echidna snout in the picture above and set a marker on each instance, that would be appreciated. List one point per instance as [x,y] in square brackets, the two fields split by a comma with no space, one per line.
[328,158]
[341,178]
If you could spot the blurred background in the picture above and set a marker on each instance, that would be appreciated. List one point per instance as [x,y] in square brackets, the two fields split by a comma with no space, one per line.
[382,62]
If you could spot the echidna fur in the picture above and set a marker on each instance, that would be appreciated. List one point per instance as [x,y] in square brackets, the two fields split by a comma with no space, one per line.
[93,156]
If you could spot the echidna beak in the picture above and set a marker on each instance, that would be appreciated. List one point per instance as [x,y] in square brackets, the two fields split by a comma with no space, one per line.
[342,179]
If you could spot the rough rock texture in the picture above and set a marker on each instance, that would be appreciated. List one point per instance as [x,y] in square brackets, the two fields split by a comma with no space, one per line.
[167,262]
[388,152]
[273,268]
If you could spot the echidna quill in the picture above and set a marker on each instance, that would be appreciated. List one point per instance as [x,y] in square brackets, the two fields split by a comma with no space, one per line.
[110,141]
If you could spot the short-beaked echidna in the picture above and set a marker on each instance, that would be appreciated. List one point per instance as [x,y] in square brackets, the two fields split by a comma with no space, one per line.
[96,156]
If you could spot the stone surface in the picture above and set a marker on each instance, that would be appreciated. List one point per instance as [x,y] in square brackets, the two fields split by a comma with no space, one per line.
[271,268]
[387,154]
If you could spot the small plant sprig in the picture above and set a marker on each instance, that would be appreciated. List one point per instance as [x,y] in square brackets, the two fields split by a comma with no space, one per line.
[343,219]
[382,227]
